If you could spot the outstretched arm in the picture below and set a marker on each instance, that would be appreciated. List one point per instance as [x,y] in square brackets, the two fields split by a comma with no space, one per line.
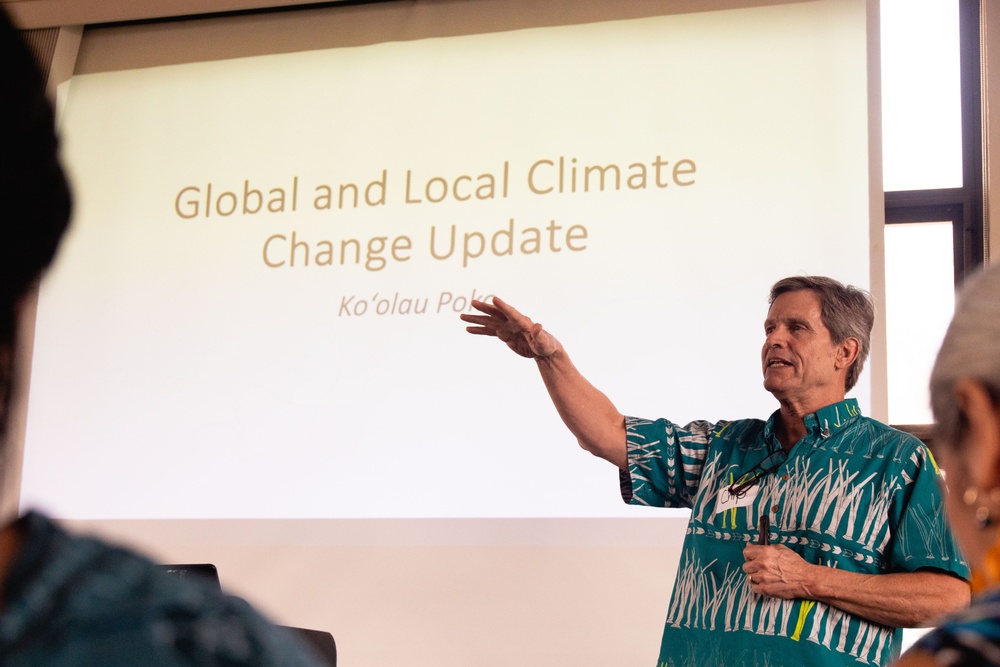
[587,412]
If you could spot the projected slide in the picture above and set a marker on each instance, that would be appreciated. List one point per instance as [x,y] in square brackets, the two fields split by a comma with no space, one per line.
[257,311]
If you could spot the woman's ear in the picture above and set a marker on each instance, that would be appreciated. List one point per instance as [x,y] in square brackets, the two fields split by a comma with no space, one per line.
[982,433]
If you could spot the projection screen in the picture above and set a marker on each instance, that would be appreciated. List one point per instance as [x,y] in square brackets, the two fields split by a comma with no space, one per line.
[259,299]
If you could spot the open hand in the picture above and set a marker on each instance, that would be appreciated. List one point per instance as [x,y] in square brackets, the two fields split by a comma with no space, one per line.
[502,320]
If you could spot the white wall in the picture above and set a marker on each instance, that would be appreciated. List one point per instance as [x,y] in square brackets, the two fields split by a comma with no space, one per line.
[991,125]
[557,595]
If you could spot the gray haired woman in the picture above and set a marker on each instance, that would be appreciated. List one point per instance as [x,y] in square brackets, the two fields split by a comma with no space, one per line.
[965,398]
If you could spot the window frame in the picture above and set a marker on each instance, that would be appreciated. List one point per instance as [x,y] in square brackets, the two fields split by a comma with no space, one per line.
[963,206]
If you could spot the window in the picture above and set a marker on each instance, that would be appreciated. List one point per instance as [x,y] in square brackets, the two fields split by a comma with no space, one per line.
[932,173]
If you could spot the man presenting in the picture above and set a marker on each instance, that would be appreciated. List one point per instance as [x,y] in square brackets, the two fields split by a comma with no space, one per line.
[815,535]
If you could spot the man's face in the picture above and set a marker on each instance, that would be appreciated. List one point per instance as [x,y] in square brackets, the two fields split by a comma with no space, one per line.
[800,361]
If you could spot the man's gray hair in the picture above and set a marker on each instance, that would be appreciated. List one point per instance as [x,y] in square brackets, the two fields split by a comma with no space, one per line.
[971,349]
[847,312]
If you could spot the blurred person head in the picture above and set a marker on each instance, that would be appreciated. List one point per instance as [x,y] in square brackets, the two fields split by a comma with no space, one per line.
[34,194]
[72,599]
[965,399]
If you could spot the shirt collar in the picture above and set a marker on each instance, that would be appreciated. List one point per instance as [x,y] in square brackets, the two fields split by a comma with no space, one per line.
[827,421]
[824,422]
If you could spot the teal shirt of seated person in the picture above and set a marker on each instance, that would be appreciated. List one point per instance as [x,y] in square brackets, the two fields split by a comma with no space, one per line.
[74,601]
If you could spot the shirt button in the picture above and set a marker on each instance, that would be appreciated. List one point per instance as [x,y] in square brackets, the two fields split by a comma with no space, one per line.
[785,477]
[774,509]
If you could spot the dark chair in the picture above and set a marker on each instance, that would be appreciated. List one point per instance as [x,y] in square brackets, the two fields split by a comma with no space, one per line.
[202,571]
[321,641]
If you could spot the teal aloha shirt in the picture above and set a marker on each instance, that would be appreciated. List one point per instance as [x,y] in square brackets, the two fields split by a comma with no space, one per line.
[76,601]
[853,494]
[968,638]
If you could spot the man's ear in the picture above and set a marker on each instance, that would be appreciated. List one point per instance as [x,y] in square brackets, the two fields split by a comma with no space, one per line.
[847,352]
[982,433]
